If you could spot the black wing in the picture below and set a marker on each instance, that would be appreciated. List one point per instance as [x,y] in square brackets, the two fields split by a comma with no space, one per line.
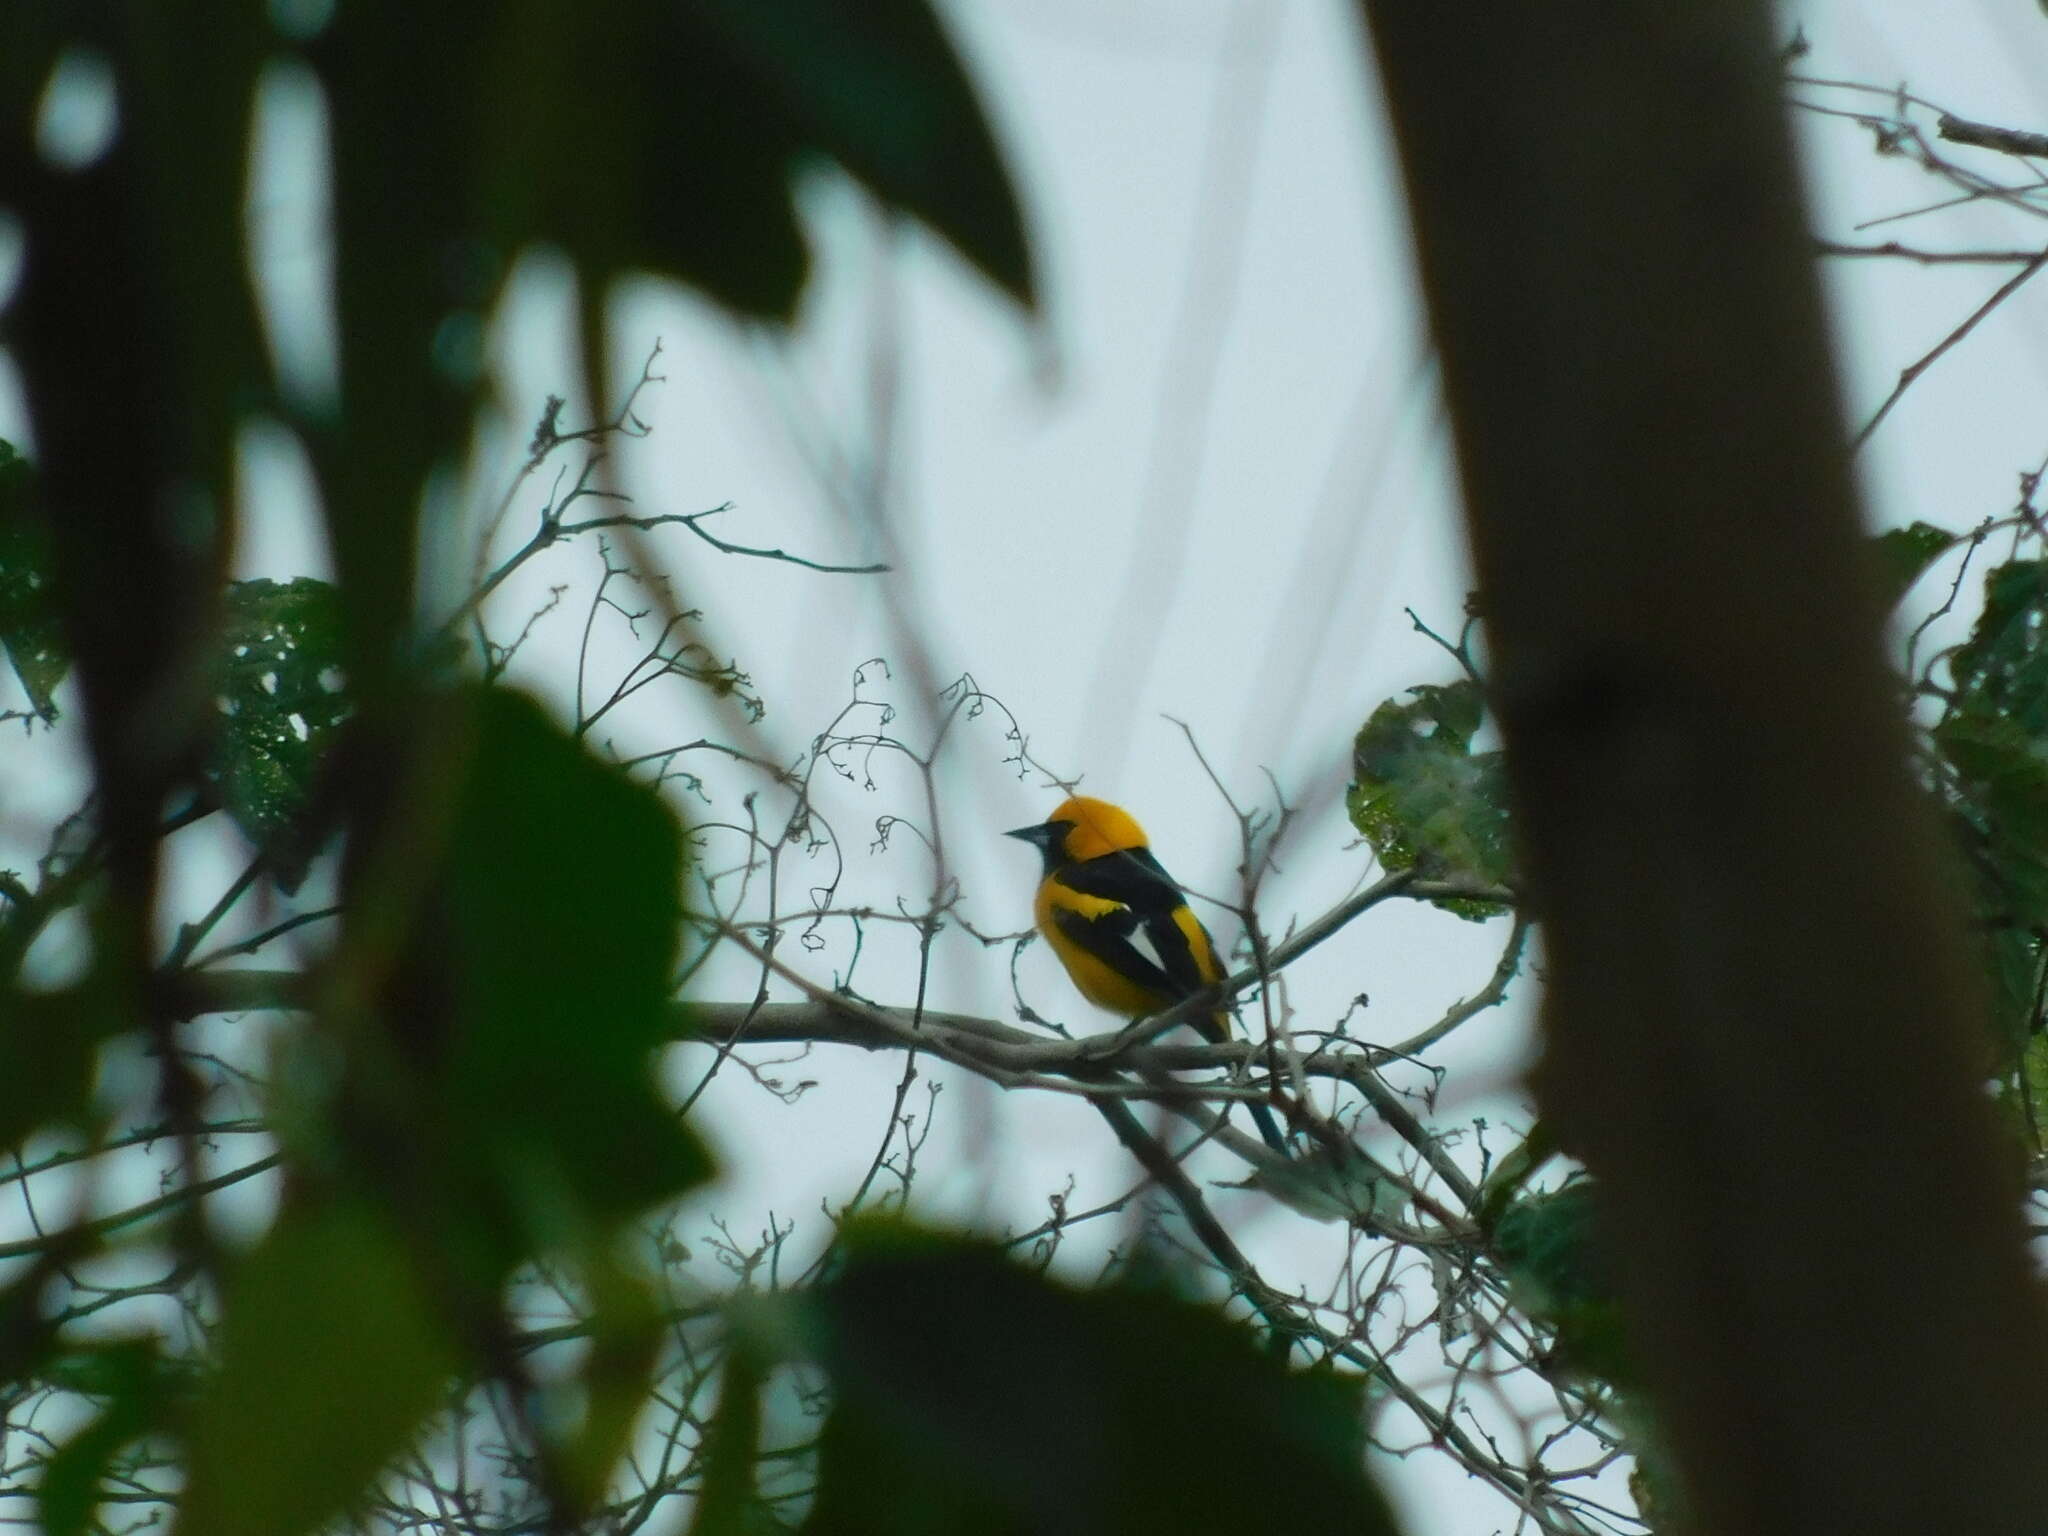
[1121,942]
[1143,941]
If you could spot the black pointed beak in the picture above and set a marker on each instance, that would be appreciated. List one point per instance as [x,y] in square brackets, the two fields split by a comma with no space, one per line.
[1040,836]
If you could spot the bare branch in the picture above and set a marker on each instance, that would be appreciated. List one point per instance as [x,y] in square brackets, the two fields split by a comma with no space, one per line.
[1891,248]
[1908,375]
[2007,141]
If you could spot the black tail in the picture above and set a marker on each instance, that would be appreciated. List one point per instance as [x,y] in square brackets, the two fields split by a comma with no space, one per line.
[1263,1118]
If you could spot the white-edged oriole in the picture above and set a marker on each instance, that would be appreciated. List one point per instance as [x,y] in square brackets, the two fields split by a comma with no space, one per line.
[1120,925]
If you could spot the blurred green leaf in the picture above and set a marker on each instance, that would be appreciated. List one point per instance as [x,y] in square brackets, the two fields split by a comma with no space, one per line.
[112,1368]
[1424,799]
[970,1394]
[331,1359]
[281,701]
[685,163]
[615,1379]
[728,1501]
[623,179]
[663,139]
[27,1331]
[49,1054]
[879,89]
[509,1114]
[187,77]
[1902,555]
[565,890]
[128,1374]
[1655,1481]
[30,39]
[31,622]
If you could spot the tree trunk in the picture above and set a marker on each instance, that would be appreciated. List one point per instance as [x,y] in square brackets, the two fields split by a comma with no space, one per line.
[1764,1031]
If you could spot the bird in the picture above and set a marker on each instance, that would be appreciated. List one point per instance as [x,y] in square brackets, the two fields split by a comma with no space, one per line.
[1120,924]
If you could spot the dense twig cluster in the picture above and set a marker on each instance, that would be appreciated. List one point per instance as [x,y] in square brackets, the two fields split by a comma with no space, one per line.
[772,923]
[1911,127]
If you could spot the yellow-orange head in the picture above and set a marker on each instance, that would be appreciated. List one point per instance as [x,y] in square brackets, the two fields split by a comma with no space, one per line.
[1084,828]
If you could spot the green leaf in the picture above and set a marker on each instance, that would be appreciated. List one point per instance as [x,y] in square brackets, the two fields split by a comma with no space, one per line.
[625,1332]
[686,163]
[970,1394]
[1341,1183]
[1561,1274]
[1512,1172]
[1546,1242]
[564,884]
[49,1055]
[728,1502]
[507,1110]
[1999,817]
[2023,1088]
[130,1376]
[878,88]
[331,1360]
[281,703]
[683,163]
[624,179]
[31,623]
[2013,961]
[1993,737]
[2003,774]
[2003,667]
[27,1330]
[1902,555]
[113,1368]
[1655,1482]
[1424,799]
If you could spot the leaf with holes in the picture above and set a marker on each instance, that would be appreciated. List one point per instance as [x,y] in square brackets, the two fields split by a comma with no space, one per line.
[281,704]
[1424,799]
[2002,668]
[31,624]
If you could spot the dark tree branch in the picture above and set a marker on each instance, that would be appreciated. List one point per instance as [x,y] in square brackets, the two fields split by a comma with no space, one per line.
[1891,248]
[2007,141]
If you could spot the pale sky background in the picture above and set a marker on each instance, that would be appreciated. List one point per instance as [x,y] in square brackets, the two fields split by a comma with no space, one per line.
[1205,486]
